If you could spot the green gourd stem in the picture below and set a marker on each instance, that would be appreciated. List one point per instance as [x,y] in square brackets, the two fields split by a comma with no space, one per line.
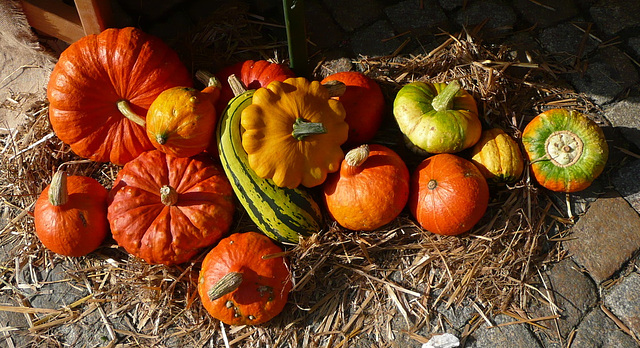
[58,192]
[303,128]
[230,282]
[168,195]
[236,85]
[444,100]
[126,111]
[296,36]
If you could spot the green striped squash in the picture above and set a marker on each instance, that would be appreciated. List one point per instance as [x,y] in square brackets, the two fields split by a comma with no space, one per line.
[281,213]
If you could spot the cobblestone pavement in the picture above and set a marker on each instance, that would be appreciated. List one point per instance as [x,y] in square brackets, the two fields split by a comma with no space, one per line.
[596,287]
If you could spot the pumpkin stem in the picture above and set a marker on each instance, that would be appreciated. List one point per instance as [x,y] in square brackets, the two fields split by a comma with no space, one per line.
[126,111]
[58,192]
[357,156]
[444,100]
[225,285]
[303,128]
[168,195]
[236,85]
[335,88]
[208,79]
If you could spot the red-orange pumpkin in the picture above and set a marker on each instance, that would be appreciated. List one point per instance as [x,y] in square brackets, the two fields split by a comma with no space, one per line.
[164,209]
[370,190]
[100,78]
[243,281]
[363,103]
[449,195]
[252,74]
[71,215]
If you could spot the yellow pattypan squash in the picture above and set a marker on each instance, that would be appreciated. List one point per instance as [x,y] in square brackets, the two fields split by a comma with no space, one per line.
[293,131]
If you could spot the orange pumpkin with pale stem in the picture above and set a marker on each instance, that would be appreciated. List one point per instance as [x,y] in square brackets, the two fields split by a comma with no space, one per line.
[449,195]
[99,86]
[164,209]
[370,190]
[242,280]
[293,132]
[181,121]
[71,215]
[363,103]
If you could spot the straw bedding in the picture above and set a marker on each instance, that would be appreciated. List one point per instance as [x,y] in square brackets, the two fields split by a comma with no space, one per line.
[351,288]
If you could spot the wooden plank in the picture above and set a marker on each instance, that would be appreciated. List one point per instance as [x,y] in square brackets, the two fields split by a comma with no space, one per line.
[95,15]
[54,18]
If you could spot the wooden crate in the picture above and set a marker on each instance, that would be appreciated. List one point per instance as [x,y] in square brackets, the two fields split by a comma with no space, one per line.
[65,22]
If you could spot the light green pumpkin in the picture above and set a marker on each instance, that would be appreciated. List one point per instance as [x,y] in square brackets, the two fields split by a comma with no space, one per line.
[437,118]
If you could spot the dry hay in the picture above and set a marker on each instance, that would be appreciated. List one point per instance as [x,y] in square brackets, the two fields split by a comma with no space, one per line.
[350,286]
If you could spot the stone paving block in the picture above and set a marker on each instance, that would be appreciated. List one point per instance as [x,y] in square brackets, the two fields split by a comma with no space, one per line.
[625,115]
[623,299]
[354,14]
[608,74]
[499,15]
[545,13]
[573,292]
[598,330]
[565,41]
[449,5]
[634,44]
[370,41]
[322,30]
[627,184]
[513,336]
[408,15]
[613,16]
[605,237]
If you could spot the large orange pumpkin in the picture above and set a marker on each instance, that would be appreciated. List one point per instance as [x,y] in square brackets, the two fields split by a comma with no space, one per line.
[239,285]
[370,190]
[71,215]
[363,103]
[449,195]
[164,209]
[101,80]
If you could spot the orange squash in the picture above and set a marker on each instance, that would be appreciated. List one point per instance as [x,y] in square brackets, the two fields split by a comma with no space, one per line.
[449,195]
[370,190]
[71,215]
[239,285]
[363,103]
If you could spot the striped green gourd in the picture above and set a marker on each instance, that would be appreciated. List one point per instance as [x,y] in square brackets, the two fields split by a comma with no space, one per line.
[281,213]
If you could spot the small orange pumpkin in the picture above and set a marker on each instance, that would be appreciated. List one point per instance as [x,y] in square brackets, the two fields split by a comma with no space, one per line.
[71,215]
[449,195]
[370,190]
[363,103]
[241,283]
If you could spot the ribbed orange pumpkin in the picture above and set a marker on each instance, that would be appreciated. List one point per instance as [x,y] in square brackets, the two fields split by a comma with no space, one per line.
[370,190]
[239,285]
[449,195]
[164,209]
[102,80]
[71,215]
[363,103]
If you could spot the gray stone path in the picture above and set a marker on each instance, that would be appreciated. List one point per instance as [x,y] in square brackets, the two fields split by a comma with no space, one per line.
[596,287]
